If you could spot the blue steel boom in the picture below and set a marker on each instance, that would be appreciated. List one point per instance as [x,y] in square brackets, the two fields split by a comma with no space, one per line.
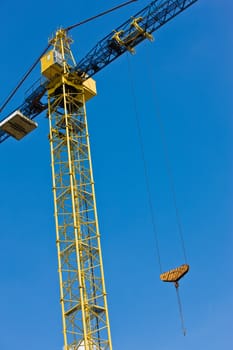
[128,35]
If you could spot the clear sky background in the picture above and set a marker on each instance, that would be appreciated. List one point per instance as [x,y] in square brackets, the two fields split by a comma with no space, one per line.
[185,78]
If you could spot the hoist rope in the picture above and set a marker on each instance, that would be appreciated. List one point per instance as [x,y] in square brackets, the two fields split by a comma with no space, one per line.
[180,308]
[8,99]
[167,161]
[147,182]
[172,185]
[171,180]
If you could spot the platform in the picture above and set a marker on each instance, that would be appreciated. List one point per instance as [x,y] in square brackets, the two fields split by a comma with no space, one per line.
[18,125]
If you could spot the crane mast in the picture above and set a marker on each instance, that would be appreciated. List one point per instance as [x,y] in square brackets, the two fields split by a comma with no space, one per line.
[80,267]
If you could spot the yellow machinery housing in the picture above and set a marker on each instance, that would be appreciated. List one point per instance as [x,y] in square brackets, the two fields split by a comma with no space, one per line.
[52,67]
[51,64]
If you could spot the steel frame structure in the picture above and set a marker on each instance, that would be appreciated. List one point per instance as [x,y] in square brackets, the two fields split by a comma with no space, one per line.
[82,287]
[124,38]
[130,34]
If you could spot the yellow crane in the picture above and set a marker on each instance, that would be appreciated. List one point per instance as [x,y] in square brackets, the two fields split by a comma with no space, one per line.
[63,92]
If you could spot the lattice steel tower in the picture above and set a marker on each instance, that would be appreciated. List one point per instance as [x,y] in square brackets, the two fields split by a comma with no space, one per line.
[82,287]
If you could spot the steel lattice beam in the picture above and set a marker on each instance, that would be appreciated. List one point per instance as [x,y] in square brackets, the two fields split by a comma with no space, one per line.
[154,16]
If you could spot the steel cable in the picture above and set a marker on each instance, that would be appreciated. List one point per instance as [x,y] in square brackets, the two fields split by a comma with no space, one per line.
[145,168]
[167,162]
[99,15]
[8,99]
[180,308]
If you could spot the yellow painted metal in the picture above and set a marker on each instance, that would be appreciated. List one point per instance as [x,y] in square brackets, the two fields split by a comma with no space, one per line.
[82,287]
[89,86]
[140,30]
[176,274]
[51,64]
[127,40]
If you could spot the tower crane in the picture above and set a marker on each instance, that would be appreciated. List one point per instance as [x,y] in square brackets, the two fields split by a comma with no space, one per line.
[62,92]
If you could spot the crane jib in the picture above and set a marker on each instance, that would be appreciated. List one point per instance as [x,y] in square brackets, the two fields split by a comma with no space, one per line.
[124,38]
[151,18]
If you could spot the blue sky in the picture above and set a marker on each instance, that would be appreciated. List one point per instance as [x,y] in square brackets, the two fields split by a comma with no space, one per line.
[185,77]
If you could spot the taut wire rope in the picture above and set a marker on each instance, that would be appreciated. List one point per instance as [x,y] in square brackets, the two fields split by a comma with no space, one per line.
[148,190]
[147,182]
[167,160]
[180,308]
[99,15]
[171,180]
[11,95]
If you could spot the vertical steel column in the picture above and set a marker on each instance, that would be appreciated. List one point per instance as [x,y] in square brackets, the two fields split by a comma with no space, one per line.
[82,287]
